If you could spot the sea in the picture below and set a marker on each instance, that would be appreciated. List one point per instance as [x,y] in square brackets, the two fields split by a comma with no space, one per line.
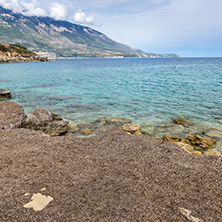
[147,91]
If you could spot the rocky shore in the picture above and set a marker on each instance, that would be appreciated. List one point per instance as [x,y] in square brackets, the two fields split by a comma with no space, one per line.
[115,176]
[17,53]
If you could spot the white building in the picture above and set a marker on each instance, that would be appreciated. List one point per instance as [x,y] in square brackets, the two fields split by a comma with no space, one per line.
[48,55]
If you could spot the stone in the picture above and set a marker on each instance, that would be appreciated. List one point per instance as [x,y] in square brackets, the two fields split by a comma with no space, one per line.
[188,148]
[5,94]
[39,202]
[132,128]
[73,128]
[43,120]
[201,143]
[196,153]
[208,153]
[181,120]
[86,131]
[187,214]
[11,115]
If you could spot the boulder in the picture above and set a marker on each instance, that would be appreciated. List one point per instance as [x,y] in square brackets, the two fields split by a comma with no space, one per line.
[42,119]
[132,128]
[4,94]
[201,143]
[11,115]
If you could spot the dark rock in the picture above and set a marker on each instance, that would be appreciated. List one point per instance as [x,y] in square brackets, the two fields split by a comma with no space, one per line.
[42,119]
[4,94]
[11,115]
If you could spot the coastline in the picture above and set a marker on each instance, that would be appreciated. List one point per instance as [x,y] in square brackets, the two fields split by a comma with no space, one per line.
[113,176]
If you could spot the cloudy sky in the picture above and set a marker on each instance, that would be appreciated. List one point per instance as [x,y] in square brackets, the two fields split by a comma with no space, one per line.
[186,27]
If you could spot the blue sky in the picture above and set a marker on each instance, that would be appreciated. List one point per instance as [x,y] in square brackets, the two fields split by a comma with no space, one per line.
[186,27]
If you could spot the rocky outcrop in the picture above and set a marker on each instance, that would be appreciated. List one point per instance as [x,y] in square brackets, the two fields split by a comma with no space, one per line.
[201,143]
[17,53]
[174,139]
[5,94]
[196,141]
[134,129]
[43,120]
[11,115]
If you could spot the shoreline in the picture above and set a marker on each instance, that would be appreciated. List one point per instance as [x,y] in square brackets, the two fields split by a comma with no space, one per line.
[111,177]
[206,141]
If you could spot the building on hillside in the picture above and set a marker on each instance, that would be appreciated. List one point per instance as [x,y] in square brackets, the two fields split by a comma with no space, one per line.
[48,55]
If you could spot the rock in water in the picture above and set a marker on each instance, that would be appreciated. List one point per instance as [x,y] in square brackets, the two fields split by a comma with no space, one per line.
[201,143]
[4,94]
[182,120]
[43,120]
[11,115]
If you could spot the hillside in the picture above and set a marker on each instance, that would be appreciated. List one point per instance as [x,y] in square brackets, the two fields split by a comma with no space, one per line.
[18,53]
[61,37]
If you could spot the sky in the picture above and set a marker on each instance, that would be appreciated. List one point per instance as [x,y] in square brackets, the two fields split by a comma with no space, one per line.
[189,28]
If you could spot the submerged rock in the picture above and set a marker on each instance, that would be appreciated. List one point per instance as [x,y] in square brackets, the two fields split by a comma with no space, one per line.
[214,133]
[42,119]
[182,120]
[5,94]
[86,131]
[11,115]
[114,119]
[134,129]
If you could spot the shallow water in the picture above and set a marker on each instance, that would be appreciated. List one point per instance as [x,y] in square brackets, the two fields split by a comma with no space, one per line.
[147,91]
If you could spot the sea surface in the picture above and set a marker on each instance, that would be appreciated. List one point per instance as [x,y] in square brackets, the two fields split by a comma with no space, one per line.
[149,92]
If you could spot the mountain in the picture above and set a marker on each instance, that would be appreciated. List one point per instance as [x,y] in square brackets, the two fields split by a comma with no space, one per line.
[61,37]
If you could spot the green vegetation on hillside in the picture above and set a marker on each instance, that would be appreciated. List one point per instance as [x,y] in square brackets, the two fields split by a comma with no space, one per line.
[15,48]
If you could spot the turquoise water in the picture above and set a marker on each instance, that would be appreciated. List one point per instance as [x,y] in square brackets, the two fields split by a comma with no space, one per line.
[146,91]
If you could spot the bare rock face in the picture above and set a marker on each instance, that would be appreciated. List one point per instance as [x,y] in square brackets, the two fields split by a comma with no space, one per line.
[132,128]
[11,115]
[43,120]
[5,94]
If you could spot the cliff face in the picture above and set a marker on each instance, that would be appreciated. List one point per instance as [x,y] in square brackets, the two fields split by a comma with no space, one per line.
[18,53]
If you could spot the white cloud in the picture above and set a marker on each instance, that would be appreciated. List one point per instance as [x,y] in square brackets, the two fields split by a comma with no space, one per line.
[80,17]
[26,8]
[58,11]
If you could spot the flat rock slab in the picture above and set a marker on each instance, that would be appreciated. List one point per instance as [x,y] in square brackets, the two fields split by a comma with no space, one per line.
[39,202]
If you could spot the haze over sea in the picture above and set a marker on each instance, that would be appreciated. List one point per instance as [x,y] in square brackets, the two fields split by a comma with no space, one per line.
[147,91]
